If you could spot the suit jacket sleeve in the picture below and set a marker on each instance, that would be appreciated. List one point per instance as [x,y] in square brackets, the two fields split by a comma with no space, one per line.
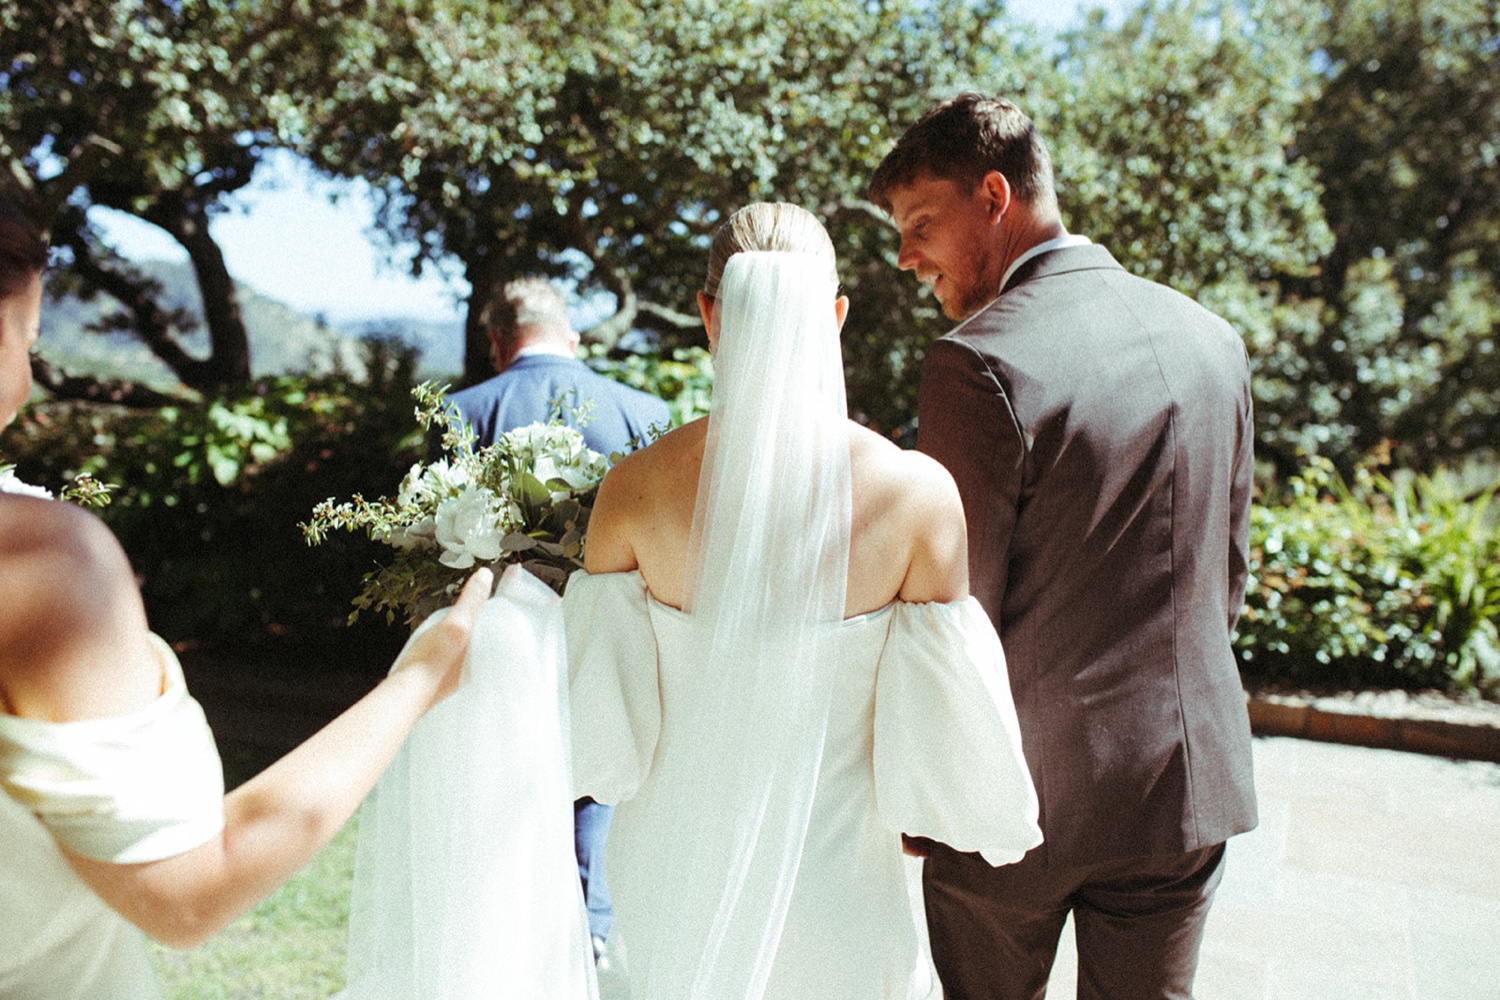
[966,422]
[1240,490]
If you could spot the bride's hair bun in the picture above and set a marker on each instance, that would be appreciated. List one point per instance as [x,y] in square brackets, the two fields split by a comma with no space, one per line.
[765,225]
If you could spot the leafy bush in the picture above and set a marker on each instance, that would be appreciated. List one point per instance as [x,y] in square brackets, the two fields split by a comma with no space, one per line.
[1394,582]
[209,499]
[684,379]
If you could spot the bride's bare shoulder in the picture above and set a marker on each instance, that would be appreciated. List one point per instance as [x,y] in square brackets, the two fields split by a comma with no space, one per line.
[906,477]
[643,493]
[661,462]
[907,509]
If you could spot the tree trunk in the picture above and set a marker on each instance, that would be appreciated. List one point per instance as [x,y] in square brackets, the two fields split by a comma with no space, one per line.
[137,295]
[483,271]
[228,360]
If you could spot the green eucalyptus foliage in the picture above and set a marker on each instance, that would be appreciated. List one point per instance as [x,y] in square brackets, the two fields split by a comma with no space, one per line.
[1393,582]
[1404,135]
[1323,174]
[155,108]
[683,377]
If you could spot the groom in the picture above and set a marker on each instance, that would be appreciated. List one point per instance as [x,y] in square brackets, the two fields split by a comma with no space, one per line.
[1099,428]
[538,373]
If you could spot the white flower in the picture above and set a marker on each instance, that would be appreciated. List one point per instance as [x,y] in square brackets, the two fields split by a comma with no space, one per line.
[10,484]
[437,481]
[552,451]
[469,527]
[418,535]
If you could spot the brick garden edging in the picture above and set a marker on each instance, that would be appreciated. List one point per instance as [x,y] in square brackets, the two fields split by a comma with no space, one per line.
[1335,720]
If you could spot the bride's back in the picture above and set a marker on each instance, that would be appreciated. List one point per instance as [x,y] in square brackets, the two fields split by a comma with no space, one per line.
[907,536]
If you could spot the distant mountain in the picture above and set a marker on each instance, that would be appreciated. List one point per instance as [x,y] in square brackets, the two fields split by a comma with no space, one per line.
[440,346]
[282,340]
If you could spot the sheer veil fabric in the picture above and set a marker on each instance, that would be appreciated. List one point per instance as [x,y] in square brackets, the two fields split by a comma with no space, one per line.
[465,882]
[767,572]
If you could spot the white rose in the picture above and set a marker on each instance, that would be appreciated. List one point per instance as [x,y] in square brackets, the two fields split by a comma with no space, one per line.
[444,478]
[468,528]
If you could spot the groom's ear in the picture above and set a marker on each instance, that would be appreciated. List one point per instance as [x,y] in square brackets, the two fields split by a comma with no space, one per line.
[841,310]
[995,190]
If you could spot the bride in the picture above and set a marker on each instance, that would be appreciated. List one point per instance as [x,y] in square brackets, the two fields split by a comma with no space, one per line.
[780,668]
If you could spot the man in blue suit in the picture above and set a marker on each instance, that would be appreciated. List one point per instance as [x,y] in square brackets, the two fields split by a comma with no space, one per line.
[535,349]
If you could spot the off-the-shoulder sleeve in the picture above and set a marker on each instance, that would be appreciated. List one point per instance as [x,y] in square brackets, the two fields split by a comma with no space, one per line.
[948,761]
[615,700]
[126,789]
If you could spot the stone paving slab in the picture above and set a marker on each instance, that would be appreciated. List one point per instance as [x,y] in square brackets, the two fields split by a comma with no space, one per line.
[1373,874]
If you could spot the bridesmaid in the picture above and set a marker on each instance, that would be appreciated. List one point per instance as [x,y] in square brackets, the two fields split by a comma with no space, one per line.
[113,810]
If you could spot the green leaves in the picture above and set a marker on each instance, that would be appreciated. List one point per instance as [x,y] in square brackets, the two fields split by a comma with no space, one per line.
[1326,175]
[1391,582]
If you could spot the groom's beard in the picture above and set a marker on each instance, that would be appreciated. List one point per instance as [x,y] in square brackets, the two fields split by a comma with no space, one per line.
[968,301]
[980,287]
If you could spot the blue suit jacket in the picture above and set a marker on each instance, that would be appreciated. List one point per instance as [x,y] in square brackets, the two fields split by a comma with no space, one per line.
[617,419]
[524,393]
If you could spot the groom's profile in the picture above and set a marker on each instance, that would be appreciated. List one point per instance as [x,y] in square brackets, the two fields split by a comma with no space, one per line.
[538,374]
[1099,429]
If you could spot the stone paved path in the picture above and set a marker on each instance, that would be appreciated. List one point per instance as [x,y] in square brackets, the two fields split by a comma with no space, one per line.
[1374,874]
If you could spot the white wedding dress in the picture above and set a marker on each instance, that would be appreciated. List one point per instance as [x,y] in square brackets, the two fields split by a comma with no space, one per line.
[765,754]
[922,739]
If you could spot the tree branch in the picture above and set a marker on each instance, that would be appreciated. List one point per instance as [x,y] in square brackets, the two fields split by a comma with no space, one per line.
[848,205]
[121,392]
[43,200]
[153,324]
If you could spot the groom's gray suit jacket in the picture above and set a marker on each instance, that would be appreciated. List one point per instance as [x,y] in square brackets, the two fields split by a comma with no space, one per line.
[1099,428]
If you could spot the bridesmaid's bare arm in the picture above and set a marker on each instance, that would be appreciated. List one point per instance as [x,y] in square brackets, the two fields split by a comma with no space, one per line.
[80,649]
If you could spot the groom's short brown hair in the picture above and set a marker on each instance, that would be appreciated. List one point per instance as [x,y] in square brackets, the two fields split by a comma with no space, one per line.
[961,140]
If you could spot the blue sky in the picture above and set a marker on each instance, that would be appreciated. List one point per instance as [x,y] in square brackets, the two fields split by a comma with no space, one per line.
[310,243]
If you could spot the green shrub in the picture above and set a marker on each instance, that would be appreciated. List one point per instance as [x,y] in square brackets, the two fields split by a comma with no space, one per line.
[684,380]
[1394,582]
[209,499]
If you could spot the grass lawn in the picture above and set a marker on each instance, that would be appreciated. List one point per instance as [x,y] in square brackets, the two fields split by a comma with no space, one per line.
[290,947]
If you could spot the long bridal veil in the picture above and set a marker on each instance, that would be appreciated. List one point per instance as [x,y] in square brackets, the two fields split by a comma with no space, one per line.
[768,565]
[465,885]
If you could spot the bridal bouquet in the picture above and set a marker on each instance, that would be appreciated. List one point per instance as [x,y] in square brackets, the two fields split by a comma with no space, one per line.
[524,499]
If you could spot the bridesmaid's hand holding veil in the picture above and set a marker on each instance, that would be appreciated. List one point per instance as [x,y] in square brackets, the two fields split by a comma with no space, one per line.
[438,647]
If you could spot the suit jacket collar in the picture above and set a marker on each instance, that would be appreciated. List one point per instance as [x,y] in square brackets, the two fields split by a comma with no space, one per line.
[1063,260]
[535,361]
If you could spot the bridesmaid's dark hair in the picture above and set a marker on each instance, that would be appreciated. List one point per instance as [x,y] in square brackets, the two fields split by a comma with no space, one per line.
[23,254]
